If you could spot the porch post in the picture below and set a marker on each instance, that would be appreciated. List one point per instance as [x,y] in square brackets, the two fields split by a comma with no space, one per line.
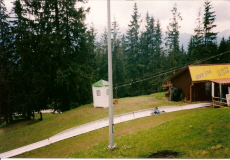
[213,94]
[191,91]
[213,89]
[220,86]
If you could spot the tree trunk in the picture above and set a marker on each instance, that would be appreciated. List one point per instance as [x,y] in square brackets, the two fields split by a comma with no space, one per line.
[41,116]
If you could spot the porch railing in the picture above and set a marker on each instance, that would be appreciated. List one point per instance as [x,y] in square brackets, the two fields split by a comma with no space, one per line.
[220,102]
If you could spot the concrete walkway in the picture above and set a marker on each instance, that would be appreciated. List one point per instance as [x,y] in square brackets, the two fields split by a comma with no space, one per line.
[96,125]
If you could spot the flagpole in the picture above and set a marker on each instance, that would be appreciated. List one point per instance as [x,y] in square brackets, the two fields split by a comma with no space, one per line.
[111,128]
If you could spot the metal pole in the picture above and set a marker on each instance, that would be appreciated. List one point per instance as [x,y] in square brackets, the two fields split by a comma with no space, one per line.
[220,86]
[111,129]
[213,89]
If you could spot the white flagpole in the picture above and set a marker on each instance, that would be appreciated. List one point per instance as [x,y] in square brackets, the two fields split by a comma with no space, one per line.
[111,129]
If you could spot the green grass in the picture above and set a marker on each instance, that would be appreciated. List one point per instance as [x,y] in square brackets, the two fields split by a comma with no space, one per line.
[88,140]
[196,133]
[159,96]
[203,134]
[27,132]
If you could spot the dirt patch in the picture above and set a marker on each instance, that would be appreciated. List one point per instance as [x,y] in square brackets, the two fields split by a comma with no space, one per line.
[164,154]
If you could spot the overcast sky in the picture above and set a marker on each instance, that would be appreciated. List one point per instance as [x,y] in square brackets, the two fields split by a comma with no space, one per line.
[122,10]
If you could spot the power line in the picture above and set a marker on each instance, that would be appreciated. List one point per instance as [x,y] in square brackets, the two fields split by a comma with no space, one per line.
[212,57]
[175,68]
[143,79]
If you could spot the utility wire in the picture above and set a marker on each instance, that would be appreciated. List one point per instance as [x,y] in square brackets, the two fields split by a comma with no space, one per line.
[175,68]
[212,57]
[143,79]
[150,75]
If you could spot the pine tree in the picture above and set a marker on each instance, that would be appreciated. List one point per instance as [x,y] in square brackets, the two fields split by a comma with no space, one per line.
[52,55]
[209,19]
[133,49]
[74,59]
[6,64]
[148,58]
[160,58]
[183,56]
[198,39]
[158,44]
[210,45]
[172,38]
[118,60]
[22,43]
[115,51]
[85,63]
[224,47]
[102,56]
[190,54]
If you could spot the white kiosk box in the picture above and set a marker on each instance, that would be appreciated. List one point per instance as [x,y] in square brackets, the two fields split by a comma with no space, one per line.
[101,94]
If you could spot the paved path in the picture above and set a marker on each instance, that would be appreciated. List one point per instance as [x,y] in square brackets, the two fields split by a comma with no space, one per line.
[96,125]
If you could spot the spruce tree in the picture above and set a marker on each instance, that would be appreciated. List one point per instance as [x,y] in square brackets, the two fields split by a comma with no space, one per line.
[115,51]
[172,38]
[190,54]
[74,60]
[208,20]
[6,64]
[183,56]
[118,60]
[158,44]
[224,47]
[102,56]
[148,57]
[198,39]
[133,49]
[52,53]
[210,45]
[23,35]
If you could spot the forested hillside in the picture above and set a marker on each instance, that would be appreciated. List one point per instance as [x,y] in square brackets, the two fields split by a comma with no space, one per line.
[49,57]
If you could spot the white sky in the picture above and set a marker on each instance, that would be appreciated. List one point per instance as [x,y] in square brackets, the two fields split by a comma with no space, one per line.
[122,10]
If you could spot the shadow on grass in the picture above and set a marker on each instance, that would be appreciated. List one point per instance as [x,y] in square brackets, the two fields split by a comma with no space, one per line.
[164,154]
[21,122]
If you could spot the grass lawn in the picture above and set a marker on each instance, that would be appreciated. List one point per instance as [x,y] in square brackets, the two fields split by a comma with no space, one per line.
[203,133]
[196,133]
[22,133]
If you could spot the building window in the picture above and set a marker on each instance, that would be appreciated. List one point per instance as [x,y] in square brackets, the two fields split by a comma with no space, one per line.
[107,91]
[98,92]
